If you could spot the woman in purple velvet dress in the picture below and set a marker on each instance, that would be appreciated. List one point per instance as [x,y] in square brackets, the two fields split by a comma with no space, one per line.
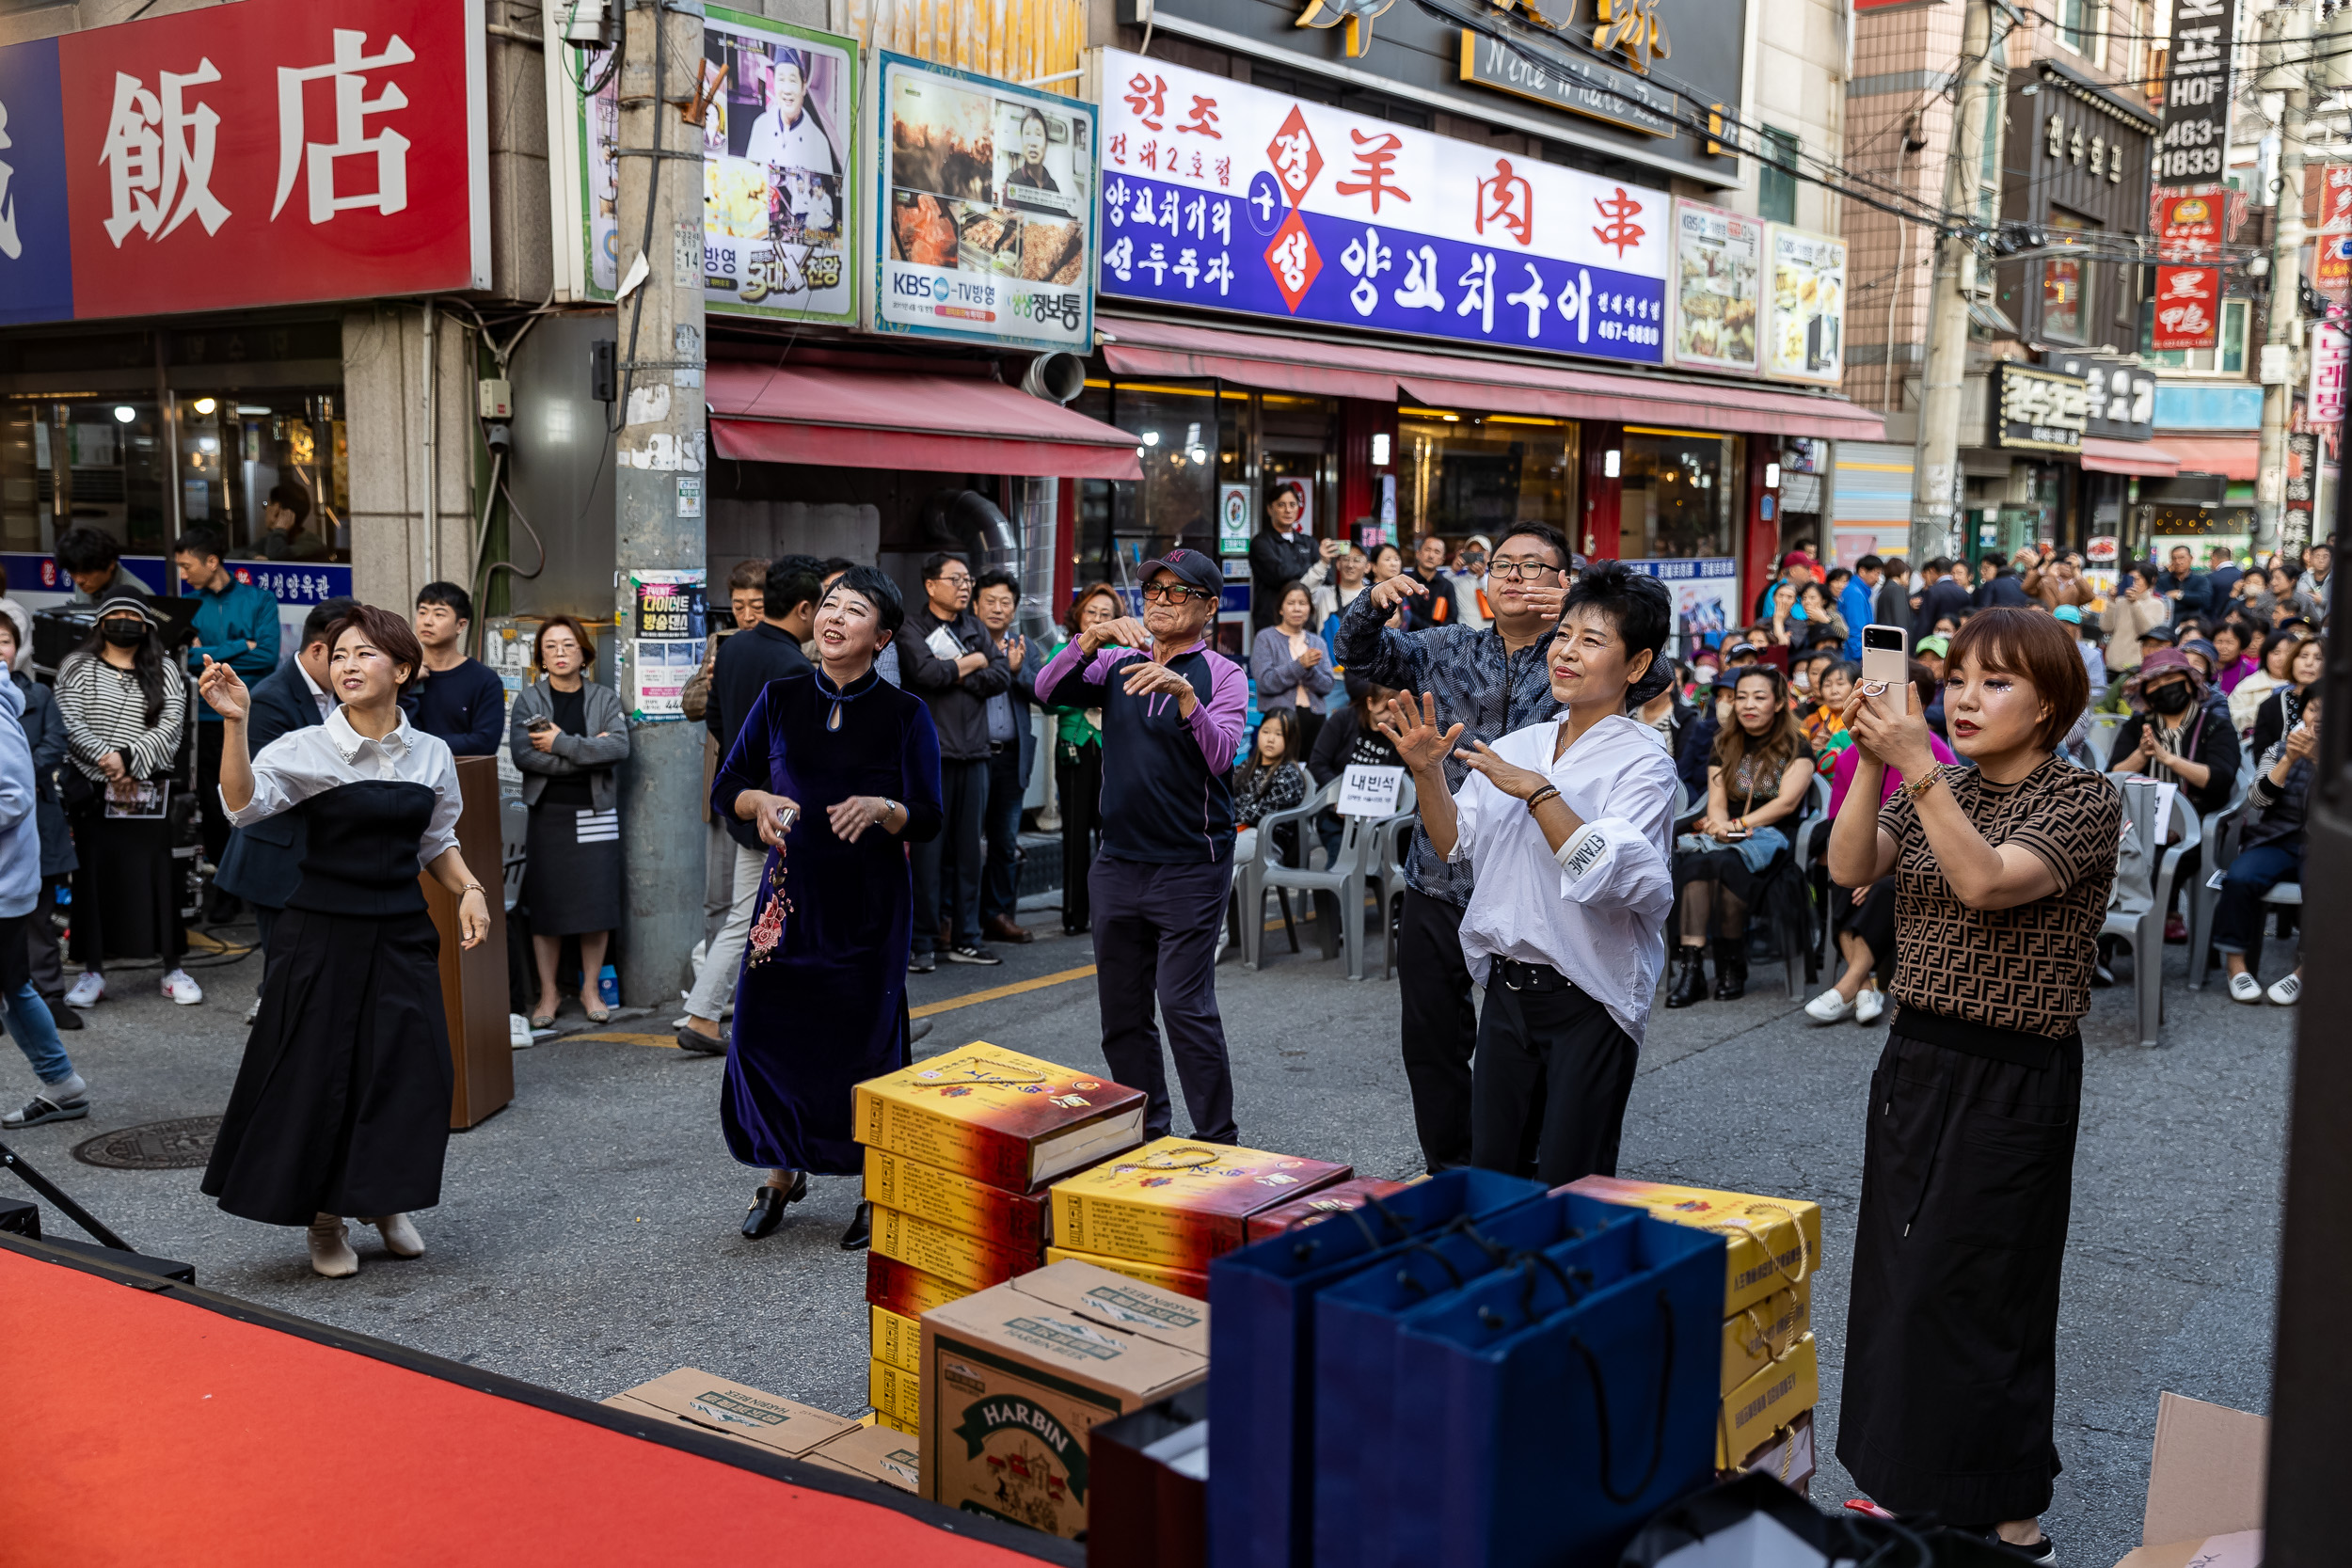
[840,770]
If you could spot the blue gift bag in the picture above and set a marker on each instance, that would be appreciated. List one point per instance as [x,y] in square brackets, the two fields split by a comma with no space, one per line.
[1261,1355]
[1544,1421]
[1357,1446]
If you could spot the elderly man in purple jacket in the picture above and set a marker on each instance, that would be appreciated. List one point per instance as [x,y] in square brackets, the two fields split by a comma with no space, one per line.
[1172,713]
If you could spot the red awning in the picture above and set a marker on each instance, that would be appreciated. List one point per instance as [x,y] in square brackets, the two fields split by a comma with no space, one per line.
[859,419]
[1325,369]
[2102,456]
[2233,456]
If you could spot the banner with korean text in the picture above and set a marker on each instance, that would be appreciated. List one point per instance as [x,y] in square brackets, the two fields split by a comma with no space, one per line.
[2188,307]
[264,152]
[1231,198]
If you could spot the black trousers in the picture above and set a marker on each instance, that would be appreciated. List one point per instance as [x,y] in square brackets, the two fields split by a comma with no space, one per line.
[1156,931]
[1079,784]
[1440,1027]
[1553,1074]
[1000,894]
[215,816]
[948,869]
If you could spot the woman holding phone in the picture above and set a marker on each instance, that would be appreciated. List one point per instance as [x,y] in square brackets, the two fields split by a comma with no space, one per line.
[840,770]
[2002,874]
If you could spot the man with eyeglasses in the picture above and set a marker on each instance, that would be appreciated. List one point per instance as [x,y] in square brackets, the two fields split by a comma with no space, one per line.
[954,665]
[1172,715]
[1491,680]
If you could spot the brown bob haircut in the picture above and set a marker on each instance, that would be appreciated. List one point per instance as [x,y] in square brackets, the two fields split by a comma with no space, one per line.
[580,633]
[1078,605]
[2034,645]
[389,633]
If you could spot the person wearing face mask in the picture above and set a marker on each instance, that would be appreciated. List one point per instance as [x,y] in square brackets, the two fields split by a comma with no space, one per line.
[125,707]
[2177,736]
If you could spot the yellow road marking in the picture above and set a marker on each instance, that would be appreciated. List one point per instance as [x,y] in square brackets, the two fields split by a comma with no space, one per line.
[993,994]
[618,1039]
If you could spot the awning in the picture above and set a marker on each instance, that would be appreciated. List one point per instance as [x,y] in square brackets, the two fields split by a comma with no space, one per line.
[2103,456]
[1320,368]
[835,418]
[2234,456]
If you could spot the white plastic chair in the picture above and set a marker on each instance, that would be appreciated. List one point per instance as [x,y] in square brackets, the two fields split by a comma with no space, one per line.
[1249,876]
[2228,829]
[2143,932]
[1346,878]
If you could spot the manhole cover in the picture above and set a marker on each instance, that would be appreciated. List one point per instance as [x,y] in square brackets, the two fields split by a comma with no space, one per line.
[181,1144]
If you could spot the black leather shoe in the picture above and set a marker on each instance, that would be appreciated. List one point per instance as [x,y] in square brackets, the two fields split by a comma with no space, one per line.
[1731,968]
[768,1206]
[64,1017]
[1689,981]
[861,1232]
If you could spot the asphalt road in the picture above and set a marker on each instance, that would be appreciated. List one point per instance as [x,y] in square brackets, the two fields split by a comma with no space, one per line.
[587,1237]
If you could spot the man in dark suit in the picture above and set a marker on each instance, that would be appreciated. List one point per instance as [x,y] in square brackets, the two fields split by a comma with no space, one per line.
[2001,588]
[1941,593]
[2190,589]
[262,864]
[1282,551]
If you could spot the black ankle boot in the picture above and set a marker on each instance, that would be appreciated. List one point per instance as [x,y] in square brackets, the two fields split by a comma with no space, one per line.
[1731,968]
[1687,980]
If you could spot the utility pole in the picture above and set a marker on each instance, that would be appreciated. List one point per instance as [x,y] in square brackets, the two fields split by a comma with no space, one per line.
[1935,469]
[658,472]
[2283,58]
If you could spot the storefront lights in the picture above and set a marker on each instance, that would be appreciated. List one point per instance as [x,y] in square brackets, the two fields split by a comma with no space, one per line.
[1151,437]
[205,405]
[1771,476]
[124,413]
[1609,465]
[1380,449]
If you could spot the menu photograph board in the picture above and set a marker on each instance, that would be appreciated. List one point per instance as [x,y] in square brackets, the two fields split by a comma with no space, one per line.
[779,172]
[1221,195]
[985,209]
[1717,261]
[1805,338]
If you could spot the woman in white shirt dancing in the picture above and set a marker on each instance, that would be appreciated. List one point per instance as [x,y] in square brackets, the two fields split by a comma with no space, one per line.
[342,1103]
[1566,927]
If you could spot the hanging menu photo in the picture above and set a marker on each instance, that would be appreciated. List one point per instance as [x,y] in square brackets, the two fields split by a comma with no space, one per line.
[1718,259]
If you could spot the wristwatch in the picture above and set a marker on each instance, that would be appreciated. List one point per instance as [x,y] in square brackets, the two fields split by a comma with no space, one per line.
[889,805]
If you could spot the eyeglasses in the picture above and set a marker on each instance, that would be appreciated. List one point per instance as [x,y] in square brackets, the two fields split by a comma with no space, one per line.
[1169,592]
[1520,571]
[958,580]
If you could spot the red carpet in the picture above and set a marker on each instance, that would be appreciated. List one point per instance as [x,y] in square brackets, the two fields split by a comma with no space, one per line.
[142,1428]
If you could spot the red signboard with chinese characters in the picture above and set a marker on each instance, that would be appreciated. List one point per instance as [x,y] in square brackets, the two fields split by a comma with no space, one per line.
[267,153]
[2188,307]
[2189,226]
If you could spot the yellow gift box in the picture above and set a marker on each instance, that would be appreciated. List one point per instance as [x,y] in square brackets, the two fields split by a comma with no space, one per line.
[904,1429]
[1761,1332]
[896,1393]
[897,1340]
[1185,1282]
[945,1254]
[1771,1242]
[1178,1203]
[947,1198]
[1766,1403]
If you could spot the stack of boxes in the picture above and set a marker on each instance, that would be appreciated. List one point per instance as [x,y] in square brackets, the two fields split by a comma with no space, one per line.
[1771,1378]
[1160,1213]
[693,1398]
[958,1149]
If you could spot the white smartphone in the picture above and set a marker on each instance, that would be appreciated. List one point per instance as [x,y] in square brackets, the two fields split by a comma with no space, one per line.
[1887,663]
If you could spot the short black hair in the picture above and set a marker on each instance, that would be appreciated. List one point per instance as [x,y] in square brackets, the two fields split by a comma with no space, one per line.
[83,548]
[836,564]
[997,577]
[871,584]
[323,615]
[1836,572]
[1639,606]
[1993,558]
[935,565]
[793,580]
[448,595]
[1544,533]
[202,543]
[1869,563]
[1937,563]
[294,497]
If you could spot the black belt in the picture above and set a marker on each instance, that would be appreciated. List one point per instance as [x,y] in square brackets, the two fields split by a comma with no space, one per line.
[996,748]
[1542,979]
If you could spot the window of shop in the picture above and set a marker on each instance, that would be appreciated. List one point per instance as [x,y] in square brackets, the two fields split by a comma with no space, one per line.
[1681,494]
[1463,474]
[2065,288]
[1775,179]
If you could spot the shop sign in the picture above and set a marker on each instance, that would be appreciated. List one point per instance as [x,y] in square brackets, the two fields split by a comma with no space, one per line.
[1717,262]
[1804,338]
[2331,267]
[1232,520]
[2119,398]
[1231,198]
[1570,82]
[2196,92]
[779,173]
[2038,410]
[2188,307]
[268,152]
[1705,591]
[2189,225]
[2332,349]
[665,648]
[983,212]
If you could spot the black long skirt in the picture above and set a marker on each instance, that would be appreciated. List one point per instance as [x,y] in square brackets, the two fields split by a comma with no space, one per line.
[1951,1335]
[342,1103]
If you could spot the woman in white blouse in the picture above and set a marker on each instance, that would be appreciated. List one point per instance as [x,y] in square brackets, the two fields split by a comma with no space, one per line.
[341,1105]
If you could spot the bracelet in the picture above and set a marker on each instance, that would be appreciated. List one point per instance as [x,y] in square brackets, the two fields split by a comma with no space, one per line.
[1921,784]
[470,887]
[1550,792]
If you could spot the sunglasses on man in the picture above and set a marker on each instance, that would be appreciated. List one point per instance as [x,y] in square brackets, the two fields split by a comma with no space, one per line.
[1173,593]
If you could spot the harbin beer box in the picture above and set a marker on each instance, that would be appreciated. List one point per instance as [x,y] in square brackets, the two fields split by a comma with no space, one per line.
[696,1399]
[1015,1377]
[875,1452]
[1175,1204]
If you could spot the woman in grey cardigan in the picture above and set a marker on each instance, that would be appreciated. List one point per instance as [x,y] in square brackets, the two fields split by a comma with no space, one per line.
[1291,665]
[566,733]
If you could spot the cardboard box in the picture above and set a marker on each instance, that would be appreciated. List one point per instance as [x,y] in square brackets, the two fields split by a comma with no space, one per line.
[950,1198]
[908,1292]
[894,1338]
[2206,1487]
[1766,1403]
[1324,1202]
[1786,1456]
[1178,1203]
[876,1452]
[895,1392]
[642,1411]
[1762,1331]
[891,1424]
[1007,1119]
[1773,1242]
[739,1410]
[948,1255]
[1016,1376]
[1185,1282]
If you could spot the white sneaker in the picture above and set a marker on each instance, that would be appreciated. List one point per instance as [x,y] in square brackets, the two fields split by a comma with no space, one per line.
[2288,991]
[330,1248]
[86,990]
[1829,1007]
[182,988]
[1870,1006]
[2245,987]
[400,1235]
